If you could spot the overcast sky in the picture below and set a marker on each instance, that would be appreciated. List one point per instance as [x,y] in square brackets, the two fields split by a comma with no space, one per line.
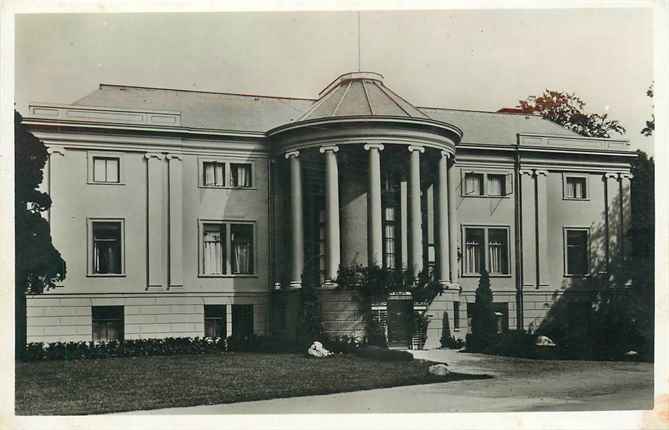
[480,60]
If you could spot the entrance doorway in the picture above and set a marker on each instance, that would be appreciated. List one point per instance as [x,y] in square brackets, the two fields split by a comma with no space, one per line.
[400,312]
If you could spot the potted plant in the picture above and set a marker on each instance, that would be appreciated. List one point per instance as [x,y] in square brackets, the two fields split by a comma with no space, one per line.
[419,330]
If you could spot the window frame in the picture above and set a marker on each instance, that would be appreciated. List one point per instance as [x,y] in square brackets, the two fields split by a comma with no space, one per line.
[122,321]
[486,245]
[508,183]
[588,256]
[91,246]
[223,318]
[227,166]
[228,248]
[92,155]
[569,175]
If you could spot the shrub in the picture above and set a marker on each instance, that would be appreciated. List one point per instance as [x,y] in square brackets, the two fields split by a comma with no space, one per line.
[484,326]
[452,342]
[383,354]
[342,344]
[513,343]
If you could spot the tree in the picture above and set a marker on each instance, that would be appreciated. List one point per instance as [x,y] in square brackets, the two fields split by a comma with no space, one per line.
[567,110]
[650,125]
[484,324]
[38,265]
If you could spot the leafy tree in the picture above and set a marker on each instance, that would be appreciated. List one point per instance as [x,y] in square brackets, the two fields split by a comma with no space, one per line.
[38,264]
[649,129]
[484,324]
[567,110]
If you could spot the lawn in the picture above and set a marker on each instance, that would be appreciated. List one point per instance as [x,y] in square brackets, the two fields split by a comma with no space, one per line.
[136,383]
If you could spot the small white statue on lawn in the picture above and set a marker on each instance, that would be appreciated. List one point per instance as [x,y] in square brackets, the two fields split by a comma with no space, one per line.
[317,350]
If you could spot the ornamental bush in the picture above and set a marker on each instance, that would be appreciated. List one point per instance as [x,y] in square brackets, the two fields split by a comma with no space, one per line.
[484,325]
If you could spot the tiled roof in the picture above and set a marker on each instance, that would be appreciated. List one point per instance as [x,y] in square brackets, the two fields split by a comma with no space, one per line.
[253,113]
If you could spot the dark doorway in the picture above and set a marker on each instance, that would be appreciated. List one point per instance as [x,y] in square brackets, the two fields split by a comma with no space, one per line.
[242,321]
[399,317]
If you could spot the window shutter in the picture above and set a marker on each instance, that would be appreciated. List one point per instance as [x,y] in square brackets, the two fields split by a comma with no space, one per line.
[508,185]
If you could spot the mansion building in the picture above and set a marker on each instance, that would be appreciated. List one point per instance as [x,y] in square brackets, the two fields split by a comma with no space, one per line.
[191,213]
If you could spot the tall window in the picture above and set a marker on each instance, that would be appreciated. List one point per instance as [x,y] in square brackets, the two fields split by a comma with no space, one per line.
[474,184]
[497,249]
[107,251]
[496,185]
[474,252]
[575,188]
[214,321]
[576,249]
[486,248]
[227,248]
[240,175]
[213,249]
[389,229]
[213,174]
[241,237]
[106,169]
[107,323]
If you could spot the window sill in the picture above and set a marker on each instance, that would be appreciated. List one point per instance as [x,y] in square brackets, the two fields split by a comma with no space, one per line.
[587,199]
[214,187]
[582,276]
[204,275]
[105,183]
[508,196]
[490,275]
[106,275]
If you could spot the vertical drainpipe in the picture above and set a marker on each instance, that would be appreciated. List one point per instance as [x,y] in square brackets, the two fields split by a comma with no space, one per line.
[270,242]
[518,237]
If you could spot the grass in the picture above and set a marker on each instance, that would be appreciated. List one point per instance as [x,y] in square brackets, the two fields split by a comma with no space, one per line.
[137,383]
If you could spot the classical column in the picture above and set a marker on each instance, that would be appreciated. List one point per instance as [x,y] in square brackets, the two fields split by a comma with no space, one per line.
[542,227]
[154,219]
[331,211]
[453,181]
[442,211]
[625,215]
[297,242]
[415,218]
[175,169]
[374,219]
[529,229]
[52,167]
[612,217]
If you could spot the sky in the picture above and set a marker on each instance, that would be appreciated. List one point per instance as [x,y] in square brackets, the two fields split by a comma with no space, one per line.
[465,59]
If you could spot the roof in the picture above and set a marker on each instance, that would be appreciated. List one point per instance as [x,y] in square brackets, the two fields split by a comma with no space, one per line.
[255,113]
[360,94]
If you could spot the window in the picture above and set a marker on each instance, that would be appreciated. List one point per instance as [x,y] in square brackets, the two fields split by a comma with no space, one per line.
[215,321]
[496,185]
[486,248]
[241,237]
[456,315]
[213,249]
[107,249]
[242,321]
[474,184]
[240,175]
[107,323]
[214,174]
[106,169]
[227,248]
[480,184]
[389,229]
[575,188]
[576,251]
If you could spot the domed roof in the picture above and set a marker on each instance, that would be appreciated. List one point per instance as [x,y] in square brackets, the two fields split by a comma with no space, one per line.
[360,94]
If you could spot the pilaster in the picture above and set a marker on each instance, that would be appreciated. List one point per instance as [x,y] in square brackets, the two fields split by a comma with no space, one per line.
[175,201]
[155,220]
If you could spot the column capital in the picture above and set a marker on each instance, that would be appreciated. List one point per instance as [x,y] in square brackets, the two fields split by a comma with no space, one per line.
[155,155]
[56,150]
[369,146]
[528,172]
[612,175]
[333,148]
[413,148]
[447,155]
[291,154]
[540,172]
[626,176]
[175,157]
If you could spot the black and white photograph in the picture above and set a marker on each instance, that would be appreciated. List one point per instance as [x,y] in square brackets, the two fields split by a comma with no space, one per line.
[389,212]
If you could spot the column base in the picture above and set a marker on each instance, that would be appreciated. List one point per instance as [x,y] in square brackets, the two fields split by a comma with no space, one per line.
[447,285]
[294,285]
[329,285]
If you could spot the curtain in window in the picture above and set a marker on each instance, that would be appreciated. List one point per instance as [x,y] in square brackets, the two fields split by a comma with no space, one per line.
[472,256]
[214,174]
[496,257]
[99,170]
[389,238]
[213,249]
[241,175]
[473,183]
[579,189]
[112,170]
[242,248]
[496,185]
